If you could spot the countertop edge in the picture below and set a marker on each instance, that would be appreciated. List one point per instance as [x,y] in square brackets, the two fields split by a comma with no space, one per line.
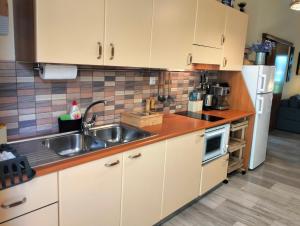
[78,160]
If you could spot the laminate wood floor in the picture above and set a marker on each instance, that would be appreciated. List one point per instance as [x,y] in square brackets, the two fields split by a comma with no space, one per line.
[269,195]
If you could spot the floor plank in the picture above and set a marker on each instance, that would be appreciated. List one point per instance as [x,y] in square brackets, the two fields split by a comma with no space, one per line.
[269,195]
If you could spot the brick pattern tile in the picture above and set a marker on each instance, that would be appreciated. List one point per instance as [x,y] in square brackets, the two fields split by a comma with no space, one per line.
[30,106]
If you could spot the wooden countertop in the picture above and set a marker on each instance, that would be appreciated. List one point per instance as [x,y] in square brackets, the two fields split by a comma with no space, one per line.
[172,126]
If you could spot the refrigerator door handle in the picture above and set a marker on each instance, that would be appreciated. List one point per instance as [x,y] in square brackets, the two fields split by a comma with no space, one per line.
[260,105]
[262,83]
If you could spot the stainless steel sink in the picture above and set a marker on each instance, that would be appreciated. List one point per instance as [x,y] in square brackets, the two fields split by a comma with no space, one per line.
[116,134]
[98,139]
[74,144]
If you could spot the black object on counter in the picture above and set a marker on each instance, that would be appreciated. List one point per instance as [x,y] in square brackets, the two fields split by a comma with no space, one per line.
[69,125]
[210,118]
[14,171]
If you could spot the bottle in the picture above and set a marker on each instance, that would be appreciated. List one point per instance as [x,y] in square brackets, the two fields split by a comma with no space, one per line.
[75,111]
[147,107]
[152,104]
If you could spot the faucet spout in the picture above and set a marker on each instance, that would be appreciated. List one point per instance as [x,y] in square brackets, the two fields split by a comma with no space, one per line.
[86,125]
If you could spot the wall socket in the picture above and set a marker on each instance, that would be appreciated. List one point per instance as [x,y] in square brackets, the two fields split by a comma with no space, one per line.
[152,81]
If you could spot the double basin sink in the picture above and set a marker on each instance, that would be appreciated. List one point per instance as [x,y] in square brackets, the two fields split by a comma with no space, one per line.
[97,139]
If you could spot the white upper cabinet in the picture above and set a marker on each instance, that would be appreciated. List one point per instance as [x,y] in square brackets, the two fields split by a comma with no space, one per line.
[128,32]
[69,31]
[172,34]
[235,39]
[210,23]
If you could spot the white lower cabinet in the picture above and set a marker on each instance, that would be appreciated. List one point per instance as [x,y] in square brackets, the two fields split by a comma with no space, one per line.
[27,197]
[90,194]
[182,171]
[143,174]
[213,173]
[47,216]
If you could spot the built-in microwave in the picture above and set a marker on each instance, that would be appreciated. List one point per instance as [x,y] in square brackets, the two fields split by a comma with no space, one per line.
[215,142]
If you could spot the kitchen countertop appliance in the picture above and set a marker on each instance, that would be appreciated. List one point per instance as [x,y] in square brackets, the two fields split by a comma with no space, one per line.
[215,142]
[220,91]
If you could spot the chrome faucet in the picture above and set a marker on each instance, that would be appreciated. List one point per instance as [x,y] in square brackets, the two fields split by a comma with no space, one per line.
[85,126]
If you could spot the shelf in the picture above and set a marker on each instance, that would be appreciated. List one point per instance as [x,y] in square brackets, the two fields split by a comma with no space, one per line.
[234,164]
[238,125]
[236,144]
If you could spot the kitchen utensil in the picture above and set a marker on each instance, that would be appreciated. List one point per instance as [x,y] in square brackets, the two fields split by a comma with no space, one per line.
[161,98]
[169,97]
[208,100]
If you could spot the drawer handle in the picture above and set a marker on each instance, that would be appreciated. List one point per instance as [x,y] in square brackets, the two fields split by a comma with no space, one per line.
[135,156]
[8,206]
[202,135]
[112,164]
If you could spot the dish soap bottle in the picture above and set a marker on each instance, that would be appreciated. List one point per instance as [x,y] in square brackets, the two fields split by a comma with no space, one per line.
[75,111]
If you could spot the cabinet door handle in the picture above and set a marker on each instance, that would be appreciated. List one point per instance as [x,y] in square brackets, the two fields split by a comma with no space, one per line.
[189,59]
[14,204]
[135,156]
[223,39]
[112,51]
[225,62]
[112,164]
[99,50]
[202,135]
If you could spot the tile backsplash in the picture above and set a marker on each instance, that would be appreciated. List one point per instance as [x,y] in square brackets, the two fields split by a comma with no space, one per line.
[30,106]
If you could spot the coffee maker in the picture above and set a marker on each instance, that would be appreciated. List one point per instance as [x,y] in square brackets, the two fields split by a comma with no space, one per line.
[220,91]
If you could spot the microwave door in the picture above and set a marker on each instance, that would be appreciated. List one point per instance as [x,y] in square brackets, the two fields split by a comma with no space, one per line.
[213,146]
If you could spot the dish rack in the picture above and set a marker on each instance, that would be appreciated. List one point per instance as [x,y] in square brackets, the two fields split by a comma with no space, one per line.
[14,171]
[237,144]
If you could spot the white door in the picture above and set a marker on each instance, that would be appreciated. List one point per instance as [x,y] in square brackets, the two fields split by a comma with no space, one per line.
[173,33]
[143,175]
[210,24]
[90,194]
[182,171]
[261,129]
[69,31]
[128,32]
[235,40]
[265,79]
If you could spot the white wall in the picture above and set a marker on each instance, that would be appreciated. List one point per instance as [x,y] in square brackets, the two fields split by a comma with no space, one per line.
[275,17]
[7,47]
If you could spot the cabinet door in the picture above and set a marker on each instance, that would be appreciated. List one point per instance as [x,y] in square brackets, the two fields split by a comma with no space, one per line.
[47,216]
[128,32]
[90,194]
[172,35]
[69,31]
[143,185]
[182,171]
[210,23]
[235,39]
[213,173]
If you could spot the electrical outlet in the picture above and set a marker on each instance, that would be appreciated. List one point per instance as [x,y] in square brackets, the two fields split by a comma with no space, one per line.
[152,81]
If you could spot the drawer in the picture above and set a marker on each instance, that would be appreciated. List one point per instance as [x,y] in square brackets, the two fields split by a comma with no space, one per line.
[47,216]
[39,192]
[213,173]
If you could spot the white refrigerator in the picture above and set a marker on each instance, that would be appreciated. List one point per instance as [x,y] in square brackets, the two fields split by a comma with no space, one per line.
[260,84]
